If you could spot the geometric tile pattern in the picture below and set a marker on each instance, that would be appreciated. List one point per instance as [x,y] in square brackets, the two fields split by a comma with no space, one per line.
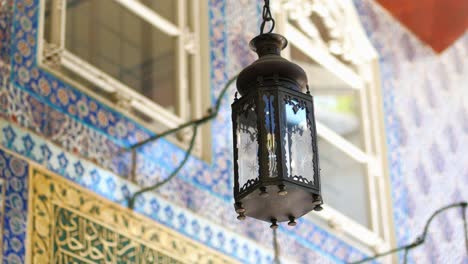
[14,173]
[426,110]
[221,235]
[6,7]
[82,133]
[69,224]
[106,185]
[426,113]
[2,208]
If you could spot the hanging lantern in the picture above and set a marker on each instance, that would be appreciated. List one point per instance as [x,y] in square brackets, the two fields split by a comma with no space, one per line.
[275,142]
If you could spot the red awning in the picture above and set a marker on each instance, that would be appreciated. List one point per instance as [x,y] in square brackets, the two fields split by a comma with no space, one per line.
[436,22]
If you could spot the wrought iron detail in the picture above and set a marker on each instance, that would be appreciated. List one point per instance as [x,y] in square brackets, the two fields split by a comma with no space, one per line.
[301,179]
[249,183]
[296,103]
[281,129]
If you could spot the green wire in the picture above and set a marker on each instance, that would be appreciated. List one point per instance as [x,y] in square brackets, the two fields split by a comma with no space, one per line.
[211,115]
[422,238]
[194,123]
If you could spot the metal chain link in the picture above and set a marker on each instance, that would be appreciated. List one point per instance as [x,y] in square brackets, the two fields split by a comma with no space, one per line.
[267,17]
[276,248]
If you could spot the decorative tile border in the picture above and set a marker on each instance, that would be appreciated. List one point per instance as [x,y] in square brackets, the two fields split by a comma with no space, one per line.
[84,125]
[14,172]
[150,205]
[70,223]
[394,63]
[2,210]
[58,94]
[306,236]
[6,7]
[41,93]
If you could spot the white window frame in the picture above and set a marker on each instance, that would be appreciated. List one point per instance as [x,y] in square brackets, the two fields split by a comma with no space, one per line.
[191,43]
[341,19]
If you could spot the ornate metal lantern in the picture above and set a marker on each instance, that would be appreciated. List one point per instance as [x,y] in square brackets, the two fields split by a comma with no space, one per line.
[275,143]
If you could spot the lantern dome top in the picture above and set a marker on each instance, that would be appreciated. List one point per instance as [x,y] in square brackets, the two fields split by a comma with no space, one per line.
[270,65]
[269,43]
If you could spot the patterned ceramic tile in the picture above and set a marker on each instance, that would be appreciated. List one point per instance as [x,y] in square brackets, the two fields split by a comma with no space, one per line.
[117,189]
[79,124]
[99,181]
[14,172]
[70,224]
[425,102]
[2,208]
[41,102]
[6,7]
[423,133]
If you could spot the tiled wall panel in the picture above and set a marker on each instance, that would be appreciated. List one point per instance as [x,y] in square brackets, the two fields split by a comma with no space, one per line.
[47,121]
[426,115]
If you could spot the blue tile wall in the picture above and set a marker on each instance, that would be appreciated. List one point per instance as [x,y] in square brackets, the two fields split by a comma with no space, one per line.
[14,172]
[426,116]
[50,122]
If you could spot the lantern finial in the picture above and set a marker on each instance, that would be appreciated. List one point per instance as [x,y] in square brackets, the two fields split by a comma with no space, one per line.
[270,66]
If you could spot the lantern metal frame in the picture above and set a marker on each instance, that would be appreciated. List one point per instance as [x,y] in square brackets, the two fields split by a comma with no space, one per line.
[268,87]
[304,191]
[280,94]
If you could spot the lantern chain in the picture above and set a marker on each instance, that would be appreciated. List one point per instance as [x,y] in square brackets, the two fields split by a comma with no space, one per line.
[405,255]
[267,17]
[465,226]
[276,247]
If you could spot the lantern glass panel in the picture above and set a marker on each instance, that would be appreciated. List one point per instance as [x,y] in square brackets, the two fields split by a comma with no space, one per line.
[299,153]
[247,145]
[269,110]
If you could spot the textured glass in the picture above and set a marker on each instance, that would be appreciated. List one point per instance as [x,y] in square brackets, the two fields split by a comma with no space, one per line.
[247,147]
[271,140]
[298,143]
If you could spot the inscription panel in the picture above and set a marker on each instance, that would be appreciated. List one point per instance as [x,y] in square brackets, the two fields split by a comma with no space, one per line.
[69,224]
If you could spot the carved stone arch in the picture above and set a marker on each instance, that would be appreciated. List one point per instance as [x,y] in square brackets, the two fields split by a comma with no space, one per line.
[331,25]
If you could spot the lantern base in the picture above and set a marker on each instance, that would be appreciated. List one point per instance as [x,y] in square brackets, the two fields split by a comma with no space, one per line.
[278,206]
